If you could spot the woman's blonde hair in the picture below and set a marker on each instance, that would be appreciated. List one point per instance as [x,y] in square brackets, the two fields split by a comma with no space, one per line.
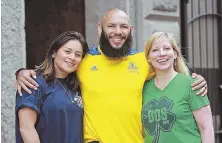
[179,63]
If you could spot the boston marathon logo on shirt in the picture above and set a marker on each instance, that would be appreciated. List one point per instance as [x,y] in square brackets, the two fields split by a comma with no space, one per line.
[156,117]
[94,68]
[132,67]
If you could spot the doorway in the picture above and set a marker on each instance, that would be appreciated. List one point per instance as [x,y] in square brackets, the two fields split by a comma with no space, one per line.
[44,20]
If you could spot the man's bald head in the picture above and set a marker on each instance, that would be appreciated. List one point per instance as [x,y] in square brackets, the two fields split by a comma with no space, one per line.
[113,13]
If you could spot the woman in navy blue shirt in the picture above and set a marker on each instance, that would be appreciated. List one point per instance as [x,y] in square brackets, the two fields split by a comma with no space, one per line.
[54,112]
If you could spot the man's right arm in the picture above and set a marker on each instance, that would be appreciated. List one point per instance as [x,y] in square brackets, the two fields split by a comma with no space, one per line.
[25,79]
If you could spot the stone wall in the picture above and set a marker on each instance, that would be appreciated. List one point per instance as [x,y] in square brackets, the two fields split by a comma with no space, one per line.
[160,15]
[13,57]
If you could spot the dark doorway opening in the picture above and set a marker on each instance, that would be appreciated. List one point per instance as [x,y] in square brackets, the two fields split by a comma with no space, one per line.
[183,27]
[44,20]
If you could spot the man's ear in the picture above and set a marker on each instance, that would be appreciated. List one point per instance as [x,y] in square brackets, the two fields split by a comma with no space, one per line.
[131,28]
[99,29]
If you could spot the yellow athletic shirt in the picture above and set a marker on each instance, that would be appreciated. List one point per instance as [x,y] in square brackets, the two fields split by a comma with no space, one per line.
[112,96]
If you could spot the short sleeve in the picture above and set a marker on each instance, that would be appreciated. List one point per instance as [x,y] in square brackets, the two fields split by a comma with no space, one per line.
[197,101]
[32,101]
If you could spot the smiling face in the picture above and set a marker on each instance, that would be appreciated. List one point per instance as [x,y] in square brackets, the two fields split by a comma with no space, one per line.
[115,34]
[162,55]
[67,58]
[116,25]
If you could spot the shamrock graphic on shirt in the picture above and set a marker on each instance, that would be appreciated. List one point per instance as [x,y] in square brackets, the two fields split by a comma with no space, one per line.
[158,117]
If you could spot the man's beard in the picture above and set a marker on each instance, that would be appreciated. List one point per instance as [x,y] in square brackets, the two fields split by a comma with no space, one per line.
[111,52]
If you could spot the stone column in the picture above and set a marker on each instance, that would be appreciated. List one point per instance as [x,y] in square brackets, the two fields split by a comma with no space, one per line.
[13,57]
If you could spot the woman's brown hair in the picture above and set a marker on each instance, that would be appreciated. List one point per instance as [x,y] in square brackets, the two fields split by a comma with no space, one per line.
[47,69]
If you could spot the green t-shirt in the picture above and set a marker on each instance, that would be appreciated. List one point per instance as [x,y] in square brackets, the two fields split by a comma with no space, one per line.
[167,114]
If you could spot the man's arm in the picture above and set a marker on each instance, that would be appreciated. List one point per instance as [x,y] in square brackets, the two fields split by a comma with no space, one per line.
[25,79]
[199,84]
[27,118]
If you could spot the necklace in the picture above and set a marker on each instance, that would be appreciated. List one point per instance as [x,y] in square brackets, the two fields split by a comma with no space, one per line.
[68,93]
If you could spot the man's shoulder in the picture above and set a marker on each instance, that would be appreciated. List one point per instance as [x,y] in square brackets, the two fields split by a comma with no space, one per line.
[136,53]
[95,55]
[94,51]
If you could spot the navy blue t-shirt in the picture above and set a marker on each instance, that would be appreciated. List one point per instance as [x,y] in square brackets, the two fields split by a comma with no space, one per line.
[58,119]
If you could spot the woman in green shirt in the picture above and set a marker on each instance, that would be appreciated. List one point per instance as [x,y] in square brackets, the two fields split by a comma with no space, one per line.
[171,112]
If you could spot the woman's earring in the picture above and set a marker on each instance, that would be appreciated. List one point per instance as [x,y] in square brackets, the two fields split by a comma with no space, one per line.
[53,56]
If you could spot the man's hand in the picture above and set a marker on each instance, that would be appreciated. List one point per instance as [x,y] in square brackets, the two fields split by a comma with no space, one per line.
[24,80]
[200,83]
